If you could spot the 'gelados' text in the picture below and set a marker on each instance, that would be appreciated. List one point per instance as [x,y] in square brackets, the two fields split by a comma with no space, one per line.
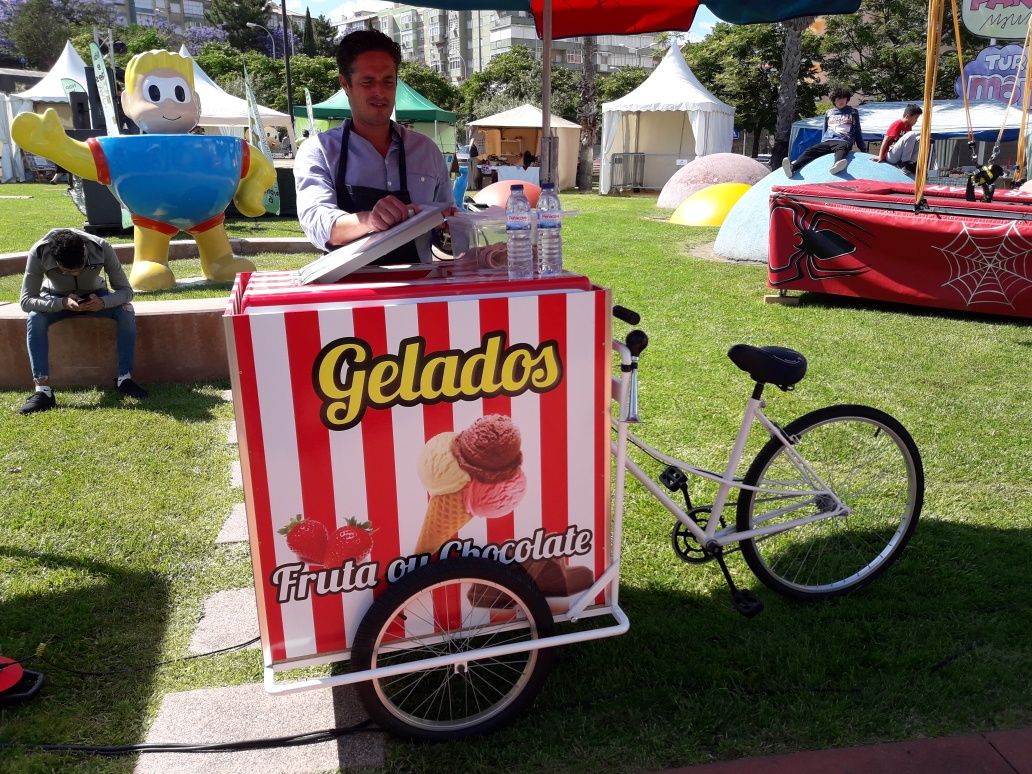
[349,379]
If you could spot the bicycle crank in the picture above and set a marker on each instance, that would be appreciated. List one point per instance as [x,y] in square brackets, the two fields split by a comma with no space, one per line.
[742,600]
[686,546]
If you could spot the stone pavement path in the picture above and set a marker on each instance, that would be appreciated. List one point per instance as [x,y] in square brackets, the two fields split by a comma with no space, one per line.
[244,712]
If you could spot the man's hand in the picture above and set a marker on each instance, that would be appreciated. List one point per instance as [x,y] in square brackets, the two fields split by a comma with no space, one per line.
[92,303]
[388,212]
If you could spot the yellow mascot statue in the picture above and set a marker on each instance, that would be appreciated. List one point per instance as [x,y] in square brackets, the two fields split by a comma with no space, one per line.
[169,179]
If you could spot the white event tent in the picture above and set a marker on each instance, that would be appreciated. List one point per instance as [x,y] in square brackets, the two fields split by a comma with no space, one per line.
[48,93]
[220,108]
[669,117]
[511,132]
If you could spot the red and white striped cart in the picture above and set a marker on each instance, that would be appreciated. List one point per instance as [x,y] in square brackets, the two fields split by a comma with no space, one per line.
[426,463]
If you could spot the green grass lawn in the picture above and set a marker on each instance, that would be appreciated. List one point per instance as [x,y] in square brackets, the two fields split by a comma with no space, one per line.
[109,513]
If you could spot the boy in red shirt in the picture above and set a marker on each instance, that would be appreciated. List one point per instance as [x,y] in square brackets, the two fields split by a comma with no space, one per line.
[896,131]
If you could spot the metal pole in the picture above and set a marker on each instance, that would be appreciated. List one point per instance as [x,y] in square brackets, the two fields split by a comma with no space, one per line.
[286,62]
[548,153]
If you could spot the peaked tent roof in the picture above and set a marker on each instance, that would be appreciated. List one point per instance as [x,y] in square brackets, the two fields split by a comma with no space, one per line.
[68,65]
[671,86]
[220,108]
[524,115]
[409,105]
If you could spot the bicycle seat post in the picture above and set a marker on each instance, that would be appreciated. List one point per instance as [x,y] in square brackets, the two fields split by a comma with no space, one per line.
[636,343]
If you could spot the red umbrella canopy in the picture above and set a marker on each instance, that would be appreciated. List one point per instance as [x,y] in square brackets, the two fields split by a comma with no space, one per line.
[571,18]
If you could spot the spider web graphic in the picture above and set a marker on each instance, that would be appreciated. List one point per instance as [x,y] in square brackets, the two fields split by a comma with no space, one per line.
[990,265]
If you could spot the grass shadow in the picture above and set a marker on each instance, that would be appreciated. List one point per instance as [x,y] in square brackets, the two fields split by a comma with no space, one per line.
[846,302]
[93,617]
[184,402]
[918,653]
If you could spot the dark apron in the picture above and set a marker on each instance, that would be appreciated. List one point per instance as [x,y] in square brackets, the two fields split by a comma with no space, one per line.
[361,198]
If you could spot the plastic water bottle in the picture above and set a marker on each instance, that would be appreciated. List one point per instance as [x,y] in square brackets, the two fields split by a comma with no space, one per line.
[517,233]
[550,237]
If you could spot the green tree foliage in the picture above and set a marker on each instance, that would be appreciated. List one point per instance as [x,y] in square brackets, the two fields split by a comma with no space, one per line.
[513,78]
[225,65]
[316,73]
[308,47]
[325,34]
[39,28]
[233,16]
[431,84]
[620,82]
[880,51]
[741,65]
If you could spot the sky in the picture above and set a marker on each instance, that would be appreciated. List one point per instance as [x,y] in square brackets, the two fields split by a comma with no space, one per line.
[333,9]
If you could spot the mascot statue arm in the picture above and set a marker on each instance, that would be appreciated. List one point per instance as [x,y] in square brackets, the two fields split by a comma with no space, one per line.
[44,136]
[259,178]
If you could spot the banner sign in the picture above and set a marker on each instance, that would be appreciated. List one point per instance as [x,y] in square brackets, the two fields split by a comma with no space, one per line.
[994,73]
[312,128]
[107,101]
[258,139]
[1007,19]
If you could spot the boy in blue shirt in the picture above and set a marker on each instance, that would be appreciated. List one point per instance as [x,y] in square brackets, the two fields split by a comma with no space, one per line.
[841,132]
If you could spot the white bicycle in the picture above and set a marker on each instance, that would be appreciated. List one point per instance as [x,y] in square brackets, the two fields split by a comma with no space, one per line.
[827,505]
[829,502]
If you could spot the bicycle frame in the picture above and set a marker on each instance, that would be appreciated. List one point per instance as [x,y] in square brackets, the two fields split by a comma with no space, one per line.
[711,535]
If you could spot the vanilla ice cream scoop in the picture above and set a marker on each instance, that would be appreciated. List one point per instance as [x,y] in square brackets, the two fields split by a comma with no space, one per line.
[437,467]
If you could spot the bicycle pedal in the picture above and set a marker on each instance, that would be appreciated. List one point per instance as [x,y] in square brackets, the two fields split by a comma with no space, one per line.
[673,478]
[746,603]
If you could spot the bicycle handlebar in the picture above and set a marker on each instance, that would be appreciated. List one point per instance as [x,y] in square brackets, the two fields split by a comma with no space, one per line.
[628,316]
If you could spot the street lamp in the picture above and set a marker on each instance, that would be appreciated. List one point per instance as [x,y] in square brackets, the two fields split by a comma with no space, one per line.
[254,26]
[286,62]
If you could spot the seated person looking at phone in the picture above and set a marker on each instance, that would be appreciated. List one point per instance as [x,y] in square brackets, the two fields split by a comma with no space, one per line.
[63,280]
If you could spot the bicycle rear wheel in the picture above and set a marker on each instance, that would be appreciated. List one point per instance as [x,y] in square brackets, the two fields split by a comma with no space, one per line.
[870,462]
[454,606]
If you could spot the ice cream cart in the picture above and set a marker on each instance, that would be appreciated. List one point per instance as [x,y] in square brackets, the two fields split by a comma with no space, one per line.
[425,457]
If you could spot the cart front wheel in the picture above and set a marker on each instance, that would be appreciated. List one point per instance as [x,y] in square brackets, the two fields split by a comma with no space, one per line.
[454,606]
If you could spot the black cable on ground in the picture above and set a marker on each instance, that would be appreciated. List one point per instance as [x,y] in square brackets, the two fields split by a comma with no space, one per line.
[293,740]
[141,667]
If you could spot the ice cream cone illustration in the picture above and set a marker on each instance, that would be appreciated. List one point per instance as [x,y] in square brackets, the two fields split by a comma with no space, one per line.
[472,473]
[445,516]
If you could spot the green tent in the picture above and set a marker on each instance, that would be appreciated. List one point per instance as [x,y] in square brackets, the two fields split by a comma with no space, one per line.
[410,107]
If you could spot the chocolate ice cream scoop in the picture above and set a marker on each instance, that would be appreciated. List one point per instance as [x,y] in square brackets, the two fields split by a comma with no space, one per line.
[489,449]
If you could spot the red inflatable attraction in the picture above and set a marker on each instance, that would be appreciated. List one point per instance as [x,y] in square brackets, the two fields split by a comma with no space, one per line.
[863,239]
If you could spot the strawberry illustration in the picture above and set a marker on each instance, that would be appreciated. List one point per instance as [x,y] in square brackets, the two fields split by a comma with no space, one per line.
[352,541]
[306,538]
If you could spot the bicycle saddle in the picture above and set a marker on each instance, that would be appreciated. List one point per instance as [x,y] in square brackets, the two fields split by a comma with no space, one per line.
[780,366]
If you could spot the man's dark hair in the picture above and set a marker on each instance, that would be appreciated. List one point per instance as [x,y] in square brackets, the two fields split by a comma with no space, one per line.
[361,42]
[68,249]
[839,93]
[911,110]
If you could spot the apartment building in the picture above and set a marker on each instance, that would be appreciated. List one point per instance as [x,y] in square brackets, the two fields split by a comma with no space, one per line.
[181,14]
[458,43]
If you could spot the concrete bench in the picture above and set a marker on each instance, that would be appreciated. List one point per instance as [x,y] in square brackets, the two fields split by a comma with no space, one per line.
[176,341]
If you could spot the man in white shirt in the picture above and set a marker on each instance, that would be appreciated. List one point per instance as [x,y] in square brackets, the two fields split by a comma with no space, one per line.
[368,174]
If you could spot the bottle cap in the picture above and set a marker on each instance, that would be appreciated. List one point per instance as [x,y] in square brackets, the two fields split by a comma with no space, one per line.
[547,186]
[517,187]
